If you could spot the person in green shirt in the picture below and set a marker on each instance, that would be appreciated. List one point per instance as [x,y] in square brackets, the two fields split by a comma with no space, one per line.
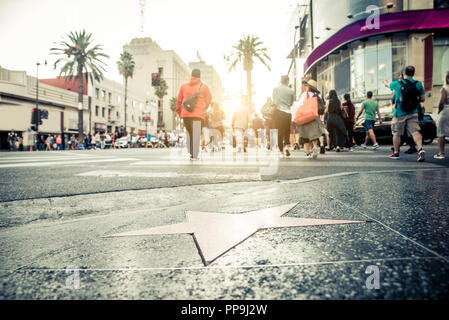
[371,108]
[402,119]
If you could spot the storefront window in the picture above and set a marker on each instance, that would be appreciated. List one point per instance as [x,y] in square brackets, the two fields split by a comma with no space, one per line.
[371,68]
[384,66]
[399,54]
[440,59]
[358,72]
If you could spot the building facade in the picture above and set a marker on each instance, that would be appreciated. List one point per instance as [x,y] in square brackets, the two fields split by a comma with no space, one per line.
[107,107]
[151,58]
[354,46]
[18,98]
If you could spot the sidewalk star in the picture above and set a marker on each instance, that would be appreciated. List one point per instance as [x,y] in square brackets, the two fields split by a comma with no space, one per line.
[216,233]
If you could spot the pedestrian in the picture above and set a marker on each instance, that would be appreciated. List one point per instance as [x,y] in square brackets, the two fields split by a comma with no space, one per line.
[258,126]
[94,141]
[408,95]
[102,138]
[97,140]
[48,143]
[335,123]
[443,118]
[193,119]
[12,136]
[283,98]
[59,142]
[371,108]
[349,119]
[53,142]
[310,132]
[240,121]
[216,118]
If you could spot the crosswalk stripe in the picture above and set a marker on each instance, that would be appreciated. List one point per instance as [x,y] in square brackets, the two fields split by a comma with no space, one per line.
[109,174]
[49,163]
[51,158]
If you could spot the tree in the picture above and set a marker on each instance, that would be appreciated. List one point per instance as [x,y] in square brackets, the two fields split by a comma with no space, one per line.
[173,103]
[80,57]
[160,92]
[126,66]
[247,50]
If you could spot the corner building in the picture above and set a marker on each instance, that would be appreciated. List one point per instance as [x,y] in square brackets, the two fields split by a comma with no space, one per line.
[351,48]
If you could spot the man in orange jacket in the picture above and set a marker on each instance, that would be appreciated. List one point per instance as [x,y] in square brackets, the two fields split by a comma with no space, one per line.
[194,121]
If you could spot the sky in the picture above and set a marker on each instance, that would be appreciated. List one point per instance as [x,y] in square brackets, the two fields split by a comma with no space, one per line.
[29,28]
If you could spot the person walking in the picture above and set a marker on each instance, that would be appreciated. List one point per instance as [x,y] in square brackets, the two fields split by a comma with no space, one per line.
[408,95]
[216,118]
[283,98]
[349,119]
[310,132]
[443,118]
[12,136]
[59,142]
[258,126]
[240,121]
[48,143]
[194,119]
[371,108]
[335,124]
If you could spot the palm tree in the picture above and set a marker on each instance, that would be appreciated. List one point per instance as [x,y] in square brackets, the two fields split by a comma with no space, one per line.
[126,66]
[80,57]
[160,92]
[173,102]
[248,49]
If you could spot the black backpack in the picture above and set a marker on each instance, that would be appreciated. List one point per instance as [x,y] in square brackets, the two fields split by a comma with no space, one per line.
[410,96]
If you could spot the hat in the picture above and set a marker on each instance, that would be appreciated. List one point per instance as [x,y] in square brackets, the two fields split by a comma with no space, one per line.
[312,84]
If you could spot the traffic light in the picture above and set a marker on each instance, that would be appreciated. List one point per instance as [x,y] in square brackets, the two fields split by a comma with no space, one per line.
[43,114]
[34,118]
[155,79]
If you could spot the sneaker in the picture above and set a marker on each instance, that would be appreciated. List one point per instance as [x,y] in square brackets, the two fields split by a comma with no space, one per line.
[287,153]
[281,156]
[375,146]
[439,156]
[394,156]
[315,153]
[421,155]
[194,159]
[308,156]
[363,146]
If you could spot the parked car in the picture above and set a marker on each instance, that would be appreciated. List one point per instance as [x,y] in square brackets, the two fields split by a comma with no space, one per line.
[124,141]
[383,132]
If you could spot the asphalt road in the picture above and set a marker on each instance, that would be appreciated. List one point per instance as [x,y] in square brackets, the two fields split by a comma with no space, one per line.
[55,208]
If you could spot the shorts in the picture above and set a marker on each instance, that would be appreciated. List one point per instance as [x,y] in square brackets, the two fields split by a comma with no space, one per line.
[369,124]
[399,123]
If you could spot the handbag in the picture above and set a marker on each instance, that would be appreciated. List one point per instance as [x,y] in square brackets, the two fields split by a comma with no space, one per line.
[190,103]
[307,112]
[268,110]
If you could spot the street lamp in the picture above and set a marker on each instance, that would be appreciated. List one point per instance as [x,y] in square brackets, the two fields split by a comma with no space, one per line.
[37,99]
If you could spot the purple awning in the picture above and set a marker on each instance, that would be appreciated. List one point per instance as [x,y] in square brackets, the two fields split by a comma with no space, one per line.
[392,22]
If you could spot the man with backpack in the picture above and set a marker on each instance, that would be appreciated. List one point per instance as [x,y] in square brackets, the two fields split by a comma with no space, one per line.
[408,95]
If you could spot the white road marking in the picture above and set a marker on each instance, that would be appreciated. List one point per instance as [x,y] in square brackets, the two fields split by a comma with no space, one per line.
[49,163]
[114,173]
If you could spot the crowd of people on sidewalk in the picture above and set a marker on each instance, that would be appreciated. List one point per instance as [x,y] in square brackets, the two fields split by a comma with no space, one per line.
[309,120]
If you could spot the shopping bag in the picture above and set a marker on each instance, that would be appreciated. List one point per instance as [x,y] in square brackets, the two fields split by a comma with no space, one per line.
[307,112]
